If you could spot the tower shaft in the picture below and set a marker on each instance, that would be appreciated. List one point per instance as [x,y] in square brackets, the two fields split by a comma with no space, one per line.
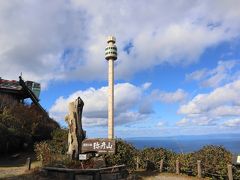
[111,56]
[110,99]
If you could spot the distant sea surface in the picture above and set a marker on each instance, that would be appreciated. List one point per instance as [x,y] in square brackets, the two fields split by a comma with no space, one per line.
[188,144]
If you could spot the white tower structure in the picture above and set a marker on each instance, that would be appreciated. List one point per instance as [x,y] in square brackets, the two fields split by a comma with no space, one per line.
[111,56]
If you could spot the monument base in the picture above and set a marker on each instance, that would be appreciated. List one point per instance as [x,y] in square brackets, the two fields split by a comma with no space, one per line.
[114,173]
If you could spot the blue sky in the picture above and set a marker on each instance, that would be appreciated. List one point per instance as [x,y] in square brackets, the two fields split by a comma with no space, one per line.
[177,73]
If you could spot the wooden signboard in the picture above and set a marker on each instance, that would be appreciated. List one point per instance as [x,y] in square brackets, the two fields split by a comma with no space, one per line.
[99,145]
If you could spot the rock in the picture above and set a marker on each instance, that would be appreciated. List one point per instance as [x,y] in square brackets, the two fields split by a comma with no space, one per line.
[76,133]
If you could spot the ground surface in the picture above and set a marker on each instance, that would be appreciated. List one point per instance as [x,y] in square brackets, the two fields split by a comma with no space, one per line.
[14,167]
[162,176]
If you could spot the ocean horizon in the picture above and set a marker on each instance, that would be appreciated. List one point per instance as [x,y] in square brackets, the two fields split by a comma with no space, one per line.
[187,144]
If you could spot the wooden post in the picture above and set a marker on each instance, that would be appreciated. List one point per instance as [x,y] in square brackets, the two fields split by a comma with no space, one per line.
[146,163]
[177,166]
[28,163]
[161,166]
[7,147]
[199,170]
[230,175]
[137,163]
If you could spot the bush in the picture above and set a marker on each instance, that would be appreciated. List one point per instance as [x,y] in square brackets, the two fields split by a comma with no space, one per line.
[125,154]
[59,141]
[187,163]
[150,158]
[54,150]
[22,124]
[43,152]
[214,160]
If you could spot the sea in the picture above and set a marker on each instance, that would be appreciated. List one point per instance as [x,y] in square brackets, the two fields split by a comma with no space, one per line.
[186,144]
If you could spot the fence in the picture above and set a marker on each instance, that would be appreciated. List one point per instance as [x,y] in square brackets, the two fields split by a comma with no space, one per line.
[200,169]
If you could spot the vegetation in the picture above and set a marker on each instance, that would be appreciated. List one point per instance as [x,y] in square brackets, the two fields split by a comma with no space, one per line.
[125,154]
[150,158]
[21,125]
[52,151]
[214,159]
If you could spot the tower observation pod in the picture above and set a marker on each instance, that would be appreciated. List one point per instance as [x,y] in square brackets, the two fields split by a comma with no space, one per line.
[111,56]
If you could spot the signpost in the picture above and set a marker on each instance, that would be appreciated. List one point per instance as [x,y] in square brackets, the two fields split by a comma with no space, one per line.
[82,157]
[99,146]
[238,159]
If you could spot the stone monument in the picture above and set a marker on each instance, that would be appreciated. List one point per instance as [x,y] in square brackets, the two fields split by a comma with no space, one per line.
[76,134]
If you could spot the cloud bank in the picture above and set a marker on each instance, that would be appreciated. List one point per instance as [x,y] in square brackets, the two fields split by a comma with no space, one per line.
[132,103]
[127,98]
[205,109]
[66,39]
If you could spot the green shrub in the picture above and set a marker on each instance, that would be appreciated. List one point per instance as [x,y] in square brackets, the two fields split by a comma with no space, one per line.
[214,160]
[125,154]
[150,158]
[59,141]
[54,150]
[236,172]
[187,163]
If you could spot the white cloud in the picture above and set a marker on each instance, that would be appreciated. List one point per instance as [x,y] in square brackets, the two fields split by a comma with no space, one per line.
[146,85]
[127,97]
[226,71]
[227,94]
[34,36]
[162,37]
[169,97]
[131,104]
[206,109]
[66,39]
[183,122]
[197,75]
[130,117]
[146,105]
[232,123]
[161,124]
